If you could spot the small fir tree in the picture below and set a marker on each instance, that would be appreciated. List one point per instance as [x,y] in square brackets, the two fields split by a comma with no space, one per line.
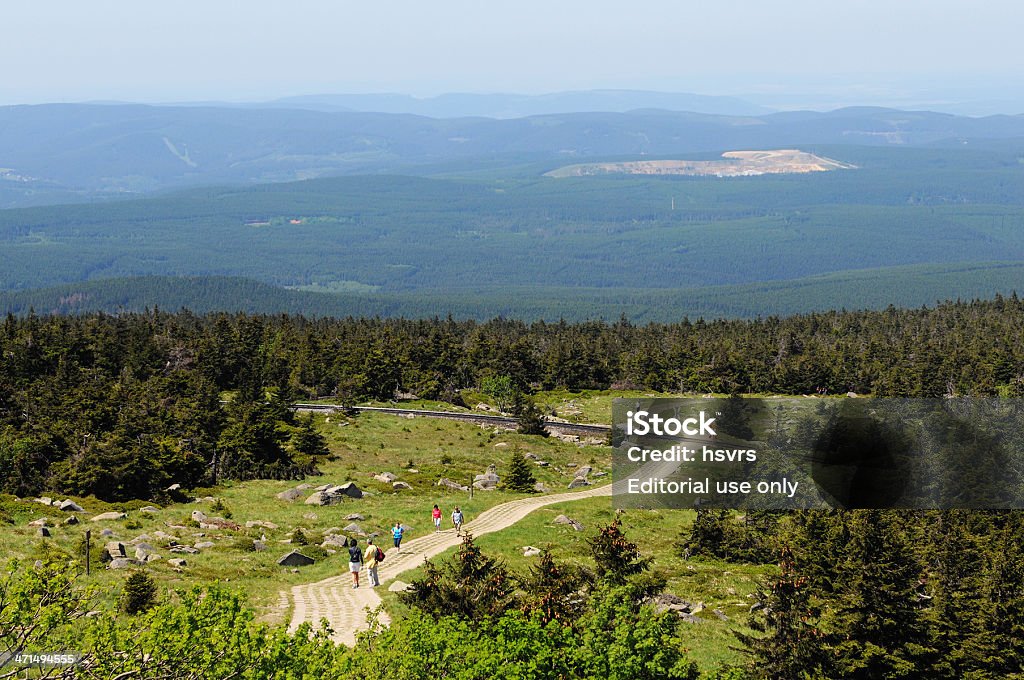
[139,593]
[519,477]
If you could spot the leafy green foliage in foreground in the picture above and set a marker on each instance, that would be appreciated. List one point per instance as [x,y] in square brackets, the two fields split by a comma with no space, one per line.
[207,633]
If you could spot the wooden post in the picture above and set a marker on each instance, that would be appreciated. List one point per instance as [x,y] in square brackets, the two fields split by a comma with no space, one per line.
[471,487]
[88,551]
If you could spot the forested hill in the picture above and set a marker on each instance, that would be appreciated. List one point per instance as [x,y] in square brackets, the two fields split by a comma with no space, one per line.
[66,152]
[909,226]
[120,406]
[910,286]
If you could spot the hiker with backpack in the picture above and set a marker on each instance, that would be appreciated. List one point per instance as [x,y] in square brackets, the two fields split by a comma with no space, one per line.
[372,559]
[355,561]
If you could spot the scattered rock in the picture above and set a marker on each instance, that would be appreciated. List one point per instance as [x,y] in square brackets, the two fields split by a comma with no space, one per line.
[501,445]
[668,602]
[183,550]
[259,546]
[290,494]
[530,456]
[354,529]
[351,490]
[354,517]
[41,522]
[483,407]
[173,487]
[720,614]
[108,516]
[542,463]
[489,476]
[322,487]
[530,551]
[399,587]
[331,495]
[115,549]
[261,524]
[150,510]
[450,484]
[295,559]
[304,486]
[584,471]
[316,498]
[198,516]
[385,477]
[334,540]
[69,505]
[153,557]
[851,395]
[578,482]
[106,533]
[70,521]
[335,530]
[162,536]
[570,465]
[123,563]
[219,523]
[599,474]
[485,485]
[45,500]
[204,545]
[575,524]
[540,488]
[177,562]
[43,532]
[311,516]
[400,486]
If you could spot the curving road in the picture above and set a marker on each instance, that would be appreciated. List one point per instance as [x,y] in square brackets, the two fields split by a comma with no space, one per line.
[346,608]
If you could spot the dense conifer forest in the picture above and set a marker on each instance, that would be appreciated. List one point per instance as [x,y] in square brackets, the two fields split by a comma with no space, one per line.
[122,406]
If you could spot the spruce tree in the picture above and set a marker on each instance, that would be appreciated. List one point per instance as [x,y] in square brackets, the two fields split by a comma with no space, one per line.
[470,585]
[791,643]
[529,418]
[877,627]
[997,648]
[519,477]
[308,442]
[557,592]
[616,558]
[139,593]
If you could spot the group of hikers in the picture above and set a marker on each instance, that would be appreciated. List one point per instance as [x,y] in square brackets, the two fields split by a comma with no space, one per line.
[373,555]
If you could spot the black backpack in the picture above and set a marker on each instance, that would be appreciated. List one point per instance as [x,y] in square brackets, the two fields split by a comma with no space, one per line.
[354,554]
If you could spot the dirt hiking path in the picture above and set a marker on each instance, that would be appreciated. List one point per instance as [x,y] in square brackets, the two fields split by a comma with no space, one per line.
[346,608]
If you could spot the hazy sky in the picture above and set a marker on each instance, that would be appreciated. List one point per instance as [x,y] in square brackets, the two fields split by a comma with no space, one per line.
[70,50]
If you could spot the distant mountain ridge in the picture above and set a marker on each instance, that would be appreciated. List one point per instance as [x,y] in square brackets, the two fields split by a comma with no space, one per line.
[504,105]
[80,152]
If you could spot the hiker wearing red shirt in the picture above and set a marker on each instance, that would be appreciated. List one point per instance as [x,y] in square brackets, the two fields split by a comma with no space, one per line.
[436,514]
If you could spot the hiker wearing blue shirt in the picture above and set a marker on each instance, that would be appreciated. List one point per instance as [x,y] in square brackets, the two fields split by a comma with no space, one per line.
[397,532]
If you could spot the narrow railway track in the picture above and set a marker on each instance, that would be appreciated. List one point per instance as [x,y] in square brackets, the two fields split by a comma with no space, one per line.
[588,429]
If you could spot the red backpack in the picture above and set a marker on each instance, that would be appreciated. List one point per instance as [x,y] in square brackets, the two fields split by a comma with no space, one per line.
[380,555]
